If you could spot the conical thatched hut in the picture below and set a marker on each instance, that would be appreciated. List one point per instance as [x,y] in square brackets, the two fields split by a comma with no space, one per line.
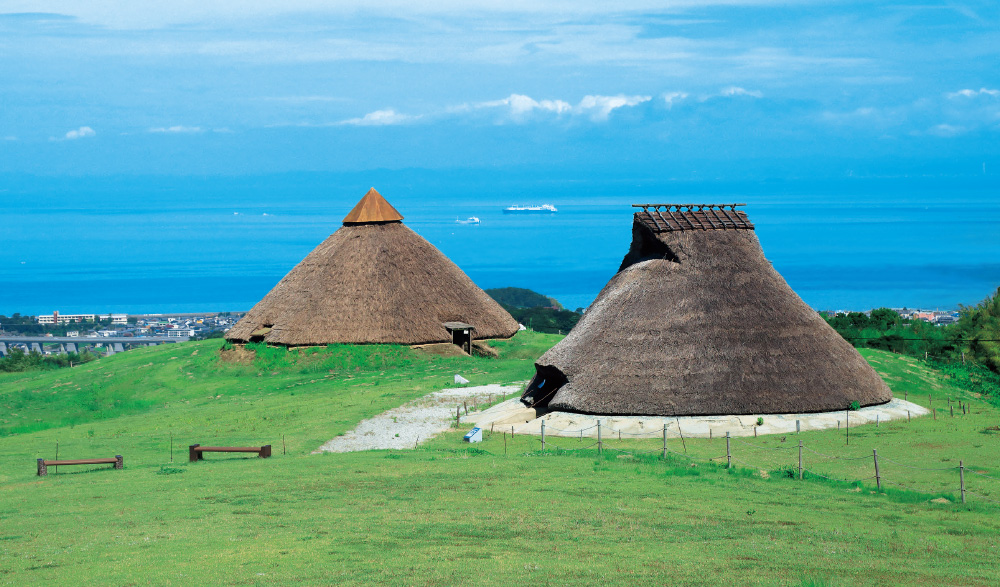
[373,281]
[697,322]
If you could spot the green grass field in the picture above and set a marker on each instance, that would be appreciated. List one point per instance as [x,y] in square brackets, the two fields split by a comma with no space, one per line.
[450,513]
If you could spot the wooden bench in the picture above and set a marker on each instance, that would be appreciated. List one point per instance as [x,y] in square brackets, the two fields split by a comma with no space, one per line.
[196,452]
[43,465]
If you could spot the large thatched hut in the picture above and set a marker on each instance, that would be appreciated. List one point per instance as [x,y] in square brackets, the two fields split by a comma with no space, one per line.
[374,281]
[697,322]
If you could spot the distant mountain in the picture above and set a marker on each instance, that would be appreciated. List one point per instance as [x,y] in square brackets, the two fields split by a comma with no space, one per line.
[519,297]
[536,311]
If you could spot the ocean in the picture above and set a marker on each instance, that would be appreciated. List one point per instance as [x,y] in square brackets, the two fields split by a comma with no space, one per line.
[146,245]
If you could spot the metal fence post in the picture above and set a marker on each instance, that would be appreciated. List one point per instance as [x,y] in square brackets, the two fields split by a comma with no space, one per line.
[543,434]
[729,455]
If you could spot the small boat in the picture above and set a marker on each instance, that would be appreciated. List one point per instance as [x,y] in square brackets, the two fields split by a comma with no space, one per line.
[469,220]
[515,209]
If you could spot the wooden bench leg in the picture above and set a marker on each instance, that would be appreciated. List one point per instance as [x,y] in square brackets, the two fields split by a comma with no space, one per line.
[43,470]
[193,455]
[119,462]
[265,451]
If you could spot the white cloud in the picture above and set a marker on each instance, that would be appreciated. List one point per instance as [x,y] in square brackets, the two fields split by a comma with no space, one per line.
[521,105]
[596,107]
[974,93]
[177,129]
[83,131]
[380,118]
[599,107]
[732,91]
[673,97]
[946,130]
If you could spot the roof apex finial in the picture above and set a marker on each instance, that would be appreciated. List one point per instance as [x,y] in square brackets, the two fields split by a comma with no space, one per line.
[372,208]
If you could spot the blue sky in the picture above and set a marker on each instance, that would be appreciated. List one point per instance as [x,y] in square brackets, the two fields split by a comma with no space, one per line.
[680,89]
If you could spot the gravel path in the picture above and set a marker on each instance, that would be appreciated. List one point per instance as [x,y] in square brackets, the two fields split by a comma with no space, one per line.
[512,413]
[417,421]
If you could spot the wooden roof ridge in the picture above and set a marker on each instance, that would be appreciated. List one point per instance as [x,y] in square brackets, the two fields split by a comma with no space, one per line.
[692,217]
[373,208]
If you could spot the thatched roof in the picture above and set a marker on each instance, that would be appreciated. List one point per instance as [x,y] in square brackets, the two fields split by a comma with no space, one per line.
[697,322]
[372,281]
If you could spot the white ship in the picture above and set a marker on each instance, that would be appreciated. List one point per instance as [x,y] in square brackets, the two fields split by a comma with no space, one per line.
[515,209]
[469,220]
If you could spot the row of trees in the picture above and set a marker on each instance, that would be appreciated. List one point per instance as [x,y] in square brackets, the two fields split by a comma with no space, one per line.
[976,335]
[18,361]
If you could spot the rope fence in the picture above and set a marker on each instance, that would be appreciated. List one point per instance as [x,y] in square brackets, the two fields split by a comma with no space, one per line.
[954,481]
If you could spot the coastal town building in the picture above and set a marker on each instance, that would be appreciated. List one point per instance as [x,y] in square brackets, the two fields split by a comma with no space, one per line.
[57,318]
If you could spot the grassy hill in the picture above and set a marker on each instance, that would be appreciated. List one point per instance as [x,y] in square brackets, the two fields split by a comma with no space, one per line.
[500,512]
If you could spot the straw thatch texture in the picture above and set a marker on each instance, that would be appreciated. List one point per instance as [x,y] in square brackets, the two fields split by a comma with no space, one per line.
[698,323]
[373,283]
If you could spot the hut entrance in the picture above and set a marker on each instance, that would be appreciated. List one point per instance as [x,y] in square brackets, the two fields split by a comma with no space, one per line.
[547,381]
[259,334]
[461,334]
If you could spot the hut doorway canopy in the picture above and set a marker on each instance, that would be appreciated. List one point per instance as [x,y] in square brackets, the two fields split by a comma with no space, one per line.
[372,281]
[698,322]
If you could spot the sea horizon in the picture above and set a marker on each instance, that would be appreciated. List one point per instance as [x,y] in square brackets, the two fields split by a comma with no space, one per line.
[161,245]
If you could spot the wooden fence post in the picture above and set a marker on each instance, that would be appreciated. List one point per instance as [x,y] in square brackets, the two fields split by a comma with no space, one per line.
[798,426]
[171,447]
[800,460]
[878,478]
[681,432]
[847,417]
[729,455]
[42,469]
[600,447]
[505,442]
[664,441]
[119,462]
[543,435]
[961,478]
[192,453]
[458,413]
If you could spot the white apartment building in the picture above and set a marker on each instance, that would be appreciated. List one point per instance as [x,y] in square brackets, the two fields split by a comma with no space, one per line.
[57,318]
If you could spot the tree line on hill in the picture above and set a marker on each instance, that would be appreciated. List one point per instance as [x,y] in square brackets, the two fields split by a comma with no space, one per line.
[974,337]
[18,361]
[536,311]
